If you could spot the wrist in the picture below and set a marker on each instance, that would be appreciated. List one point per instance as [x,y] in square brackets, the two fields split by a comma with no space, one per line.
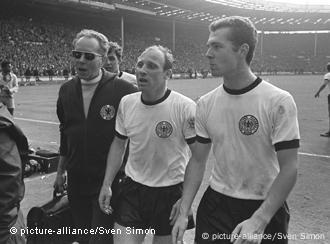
[107,183]
[184,211]
[262,218]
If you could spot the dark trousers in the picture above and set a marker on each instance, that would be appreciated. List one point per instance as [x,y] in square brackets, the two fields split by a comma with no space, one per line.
[88,216]
[218,215]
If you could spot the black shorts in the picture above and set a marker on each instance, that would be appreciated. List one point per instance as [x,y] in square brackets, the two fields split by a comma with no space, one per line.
[218,215]
[144,207]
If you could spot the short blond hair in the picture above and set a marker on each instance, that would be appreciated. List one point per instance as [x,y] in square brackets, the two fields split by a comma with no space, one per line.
[102,39]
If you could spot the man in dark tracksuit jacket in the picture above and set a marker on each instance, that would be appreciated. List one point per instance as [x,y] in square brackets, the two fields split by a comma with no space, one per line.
[12,142]
[85,142]
[86,134]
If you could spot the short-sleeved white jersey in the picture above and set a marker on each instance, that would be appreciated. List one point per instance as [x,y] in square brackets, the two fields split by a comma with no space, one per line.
[9,81]
[327,79]
[246,128]
[159,134]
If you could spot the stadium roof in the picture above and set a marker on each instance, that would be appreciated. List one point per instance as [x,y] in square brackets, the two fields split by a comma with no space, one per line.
[260,12]
[265,15]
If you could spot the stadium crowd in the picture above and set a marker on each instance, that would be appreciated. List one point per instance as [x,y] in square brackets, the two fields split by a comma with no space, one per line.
[40,45]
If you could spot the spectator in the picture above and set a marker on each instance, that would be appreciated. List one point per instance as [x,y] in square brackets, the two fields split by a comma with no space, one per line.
[8,86]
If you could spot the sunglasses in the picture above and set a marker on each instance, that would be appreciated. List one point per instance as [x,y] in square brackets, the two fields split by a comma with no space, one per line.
[88,56]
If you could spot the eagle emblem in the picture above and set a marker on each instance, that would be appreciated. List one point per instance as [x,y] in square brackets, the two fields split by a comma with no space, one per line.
[107,112]
[248,125]
[164,129]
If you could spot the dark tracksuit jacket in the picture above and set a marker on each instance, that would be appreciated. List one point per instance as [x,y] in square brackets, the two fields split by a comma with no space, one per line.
[86,141]
[12,143]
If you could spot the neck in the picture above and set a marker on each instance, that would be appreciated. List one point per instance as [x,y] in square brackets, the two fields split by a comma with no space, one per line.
[240,79]
[93,76]
[154,95]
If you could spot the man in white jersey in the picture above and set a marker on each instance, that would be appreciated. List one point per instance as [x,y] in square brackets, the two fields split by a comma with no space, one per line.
[253,128]
[159,124]
[8,86]
[317,94]
[114,58]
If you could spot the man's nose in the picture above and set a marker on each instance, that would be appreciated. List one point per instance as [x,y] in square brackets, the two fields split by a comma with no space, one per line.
[209,53]
[82,58]
[141,70]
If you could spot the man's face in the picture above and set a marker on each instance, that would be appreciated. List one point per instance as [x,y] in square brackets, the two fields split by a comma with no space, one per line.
[112,63]
[223,59]
[87,58]
[150,73]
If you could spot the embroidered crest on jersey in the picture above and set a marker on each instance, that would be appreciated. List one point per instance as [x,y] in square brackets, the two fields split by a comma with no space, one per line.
[107,112]
[164,129]
[248,125]
[281,110]
[191,123]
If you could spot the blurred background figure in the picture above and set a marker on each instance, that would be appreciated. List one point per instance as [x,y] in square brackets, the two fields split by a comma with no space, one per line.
[8,86]
[115,57]
[317,94]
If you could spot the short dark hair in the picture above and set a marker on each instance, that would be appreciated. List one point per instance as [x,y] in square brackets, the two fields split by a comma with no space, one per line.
[328,66]
[242,31]
[115,47]
[5,63]
[167,54]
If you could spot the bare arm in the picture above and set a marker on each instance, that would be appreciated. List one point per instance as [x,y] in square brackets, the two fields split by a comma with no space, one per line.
[317,94]
[278,193]
[114,161]
[192,181]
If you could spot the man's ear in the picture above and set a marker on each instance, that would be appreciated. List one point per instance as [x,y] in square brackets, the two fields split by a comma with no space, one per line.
[168,74]
[244,49]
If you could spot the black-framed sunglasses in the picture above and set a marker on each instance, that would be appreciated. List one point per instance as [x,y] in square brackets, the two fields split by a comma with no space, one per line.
[88,56]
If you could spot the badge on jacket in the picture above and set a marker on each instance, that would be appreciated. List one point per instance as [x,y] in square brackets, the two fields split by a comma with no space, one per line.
[107,112]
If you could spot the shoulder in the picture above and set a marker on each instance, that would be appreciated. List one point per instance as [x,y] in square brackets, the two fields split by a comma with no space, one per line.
[211,95]
[14,76]
[128,77]
[68,85]
[124,85]
[130,98]
[276,96]
[269,90]
[181,97]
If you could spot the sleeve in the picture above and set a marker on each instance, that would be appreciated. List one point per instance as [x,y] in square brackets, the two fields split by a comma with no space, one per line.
[10,182]
[61,118]
[120,121]
[327,78]
[189,131]
[202,134]
[285,133]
